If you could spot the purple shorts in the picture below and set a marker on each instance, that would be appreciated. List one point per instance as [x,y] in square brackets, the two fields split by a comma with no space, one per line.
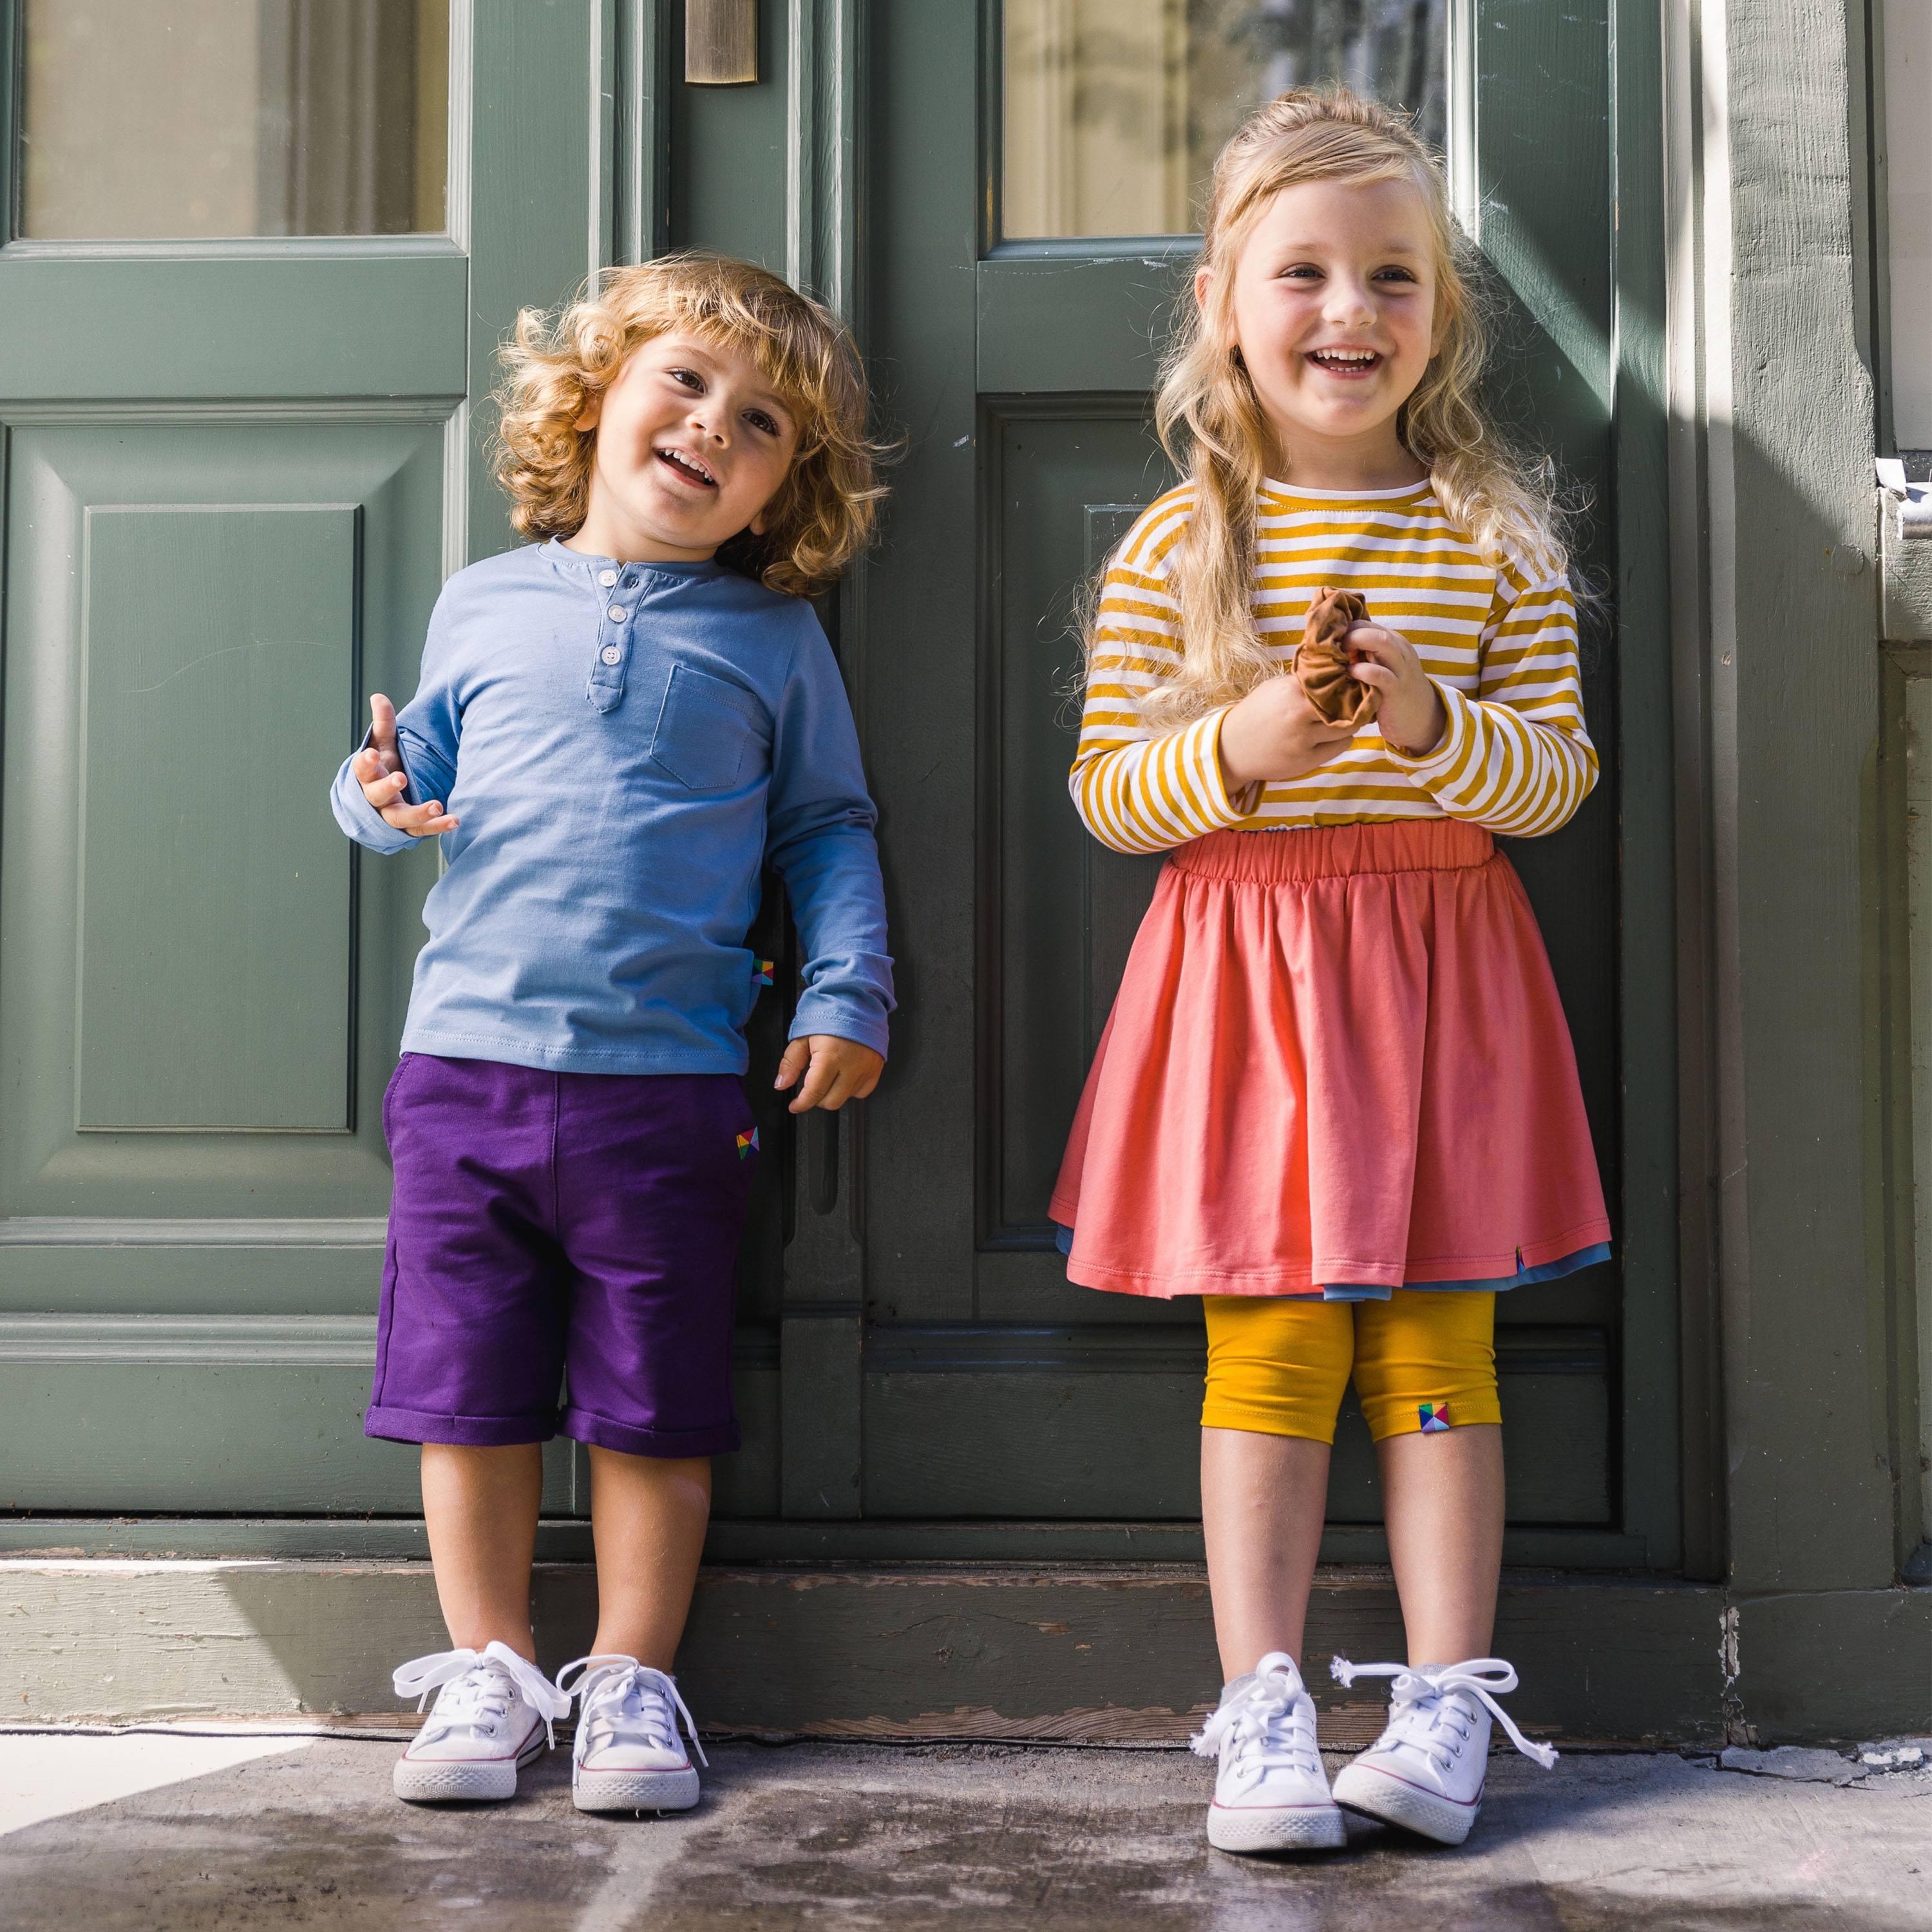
[546,1222]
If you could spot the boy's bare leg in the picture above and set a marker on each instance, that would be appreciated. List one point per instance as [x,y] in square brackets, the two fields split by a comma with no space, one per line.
[480,1507]
[1263,1498]
[648,1515]
[1443,1498]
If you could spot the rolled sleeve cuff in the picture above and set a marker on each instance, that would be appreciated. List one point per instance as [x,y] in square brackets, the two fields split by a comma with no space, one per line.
[842,1017]
[1433,766]
[1200,758]
[360,819]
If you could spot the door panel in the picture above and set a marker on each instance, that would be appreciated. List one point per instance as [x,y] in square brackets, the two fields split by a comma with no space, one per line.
[232,321]
[1061,480]
[1045,1409]
[192,612]
[197,1416]
[201,663]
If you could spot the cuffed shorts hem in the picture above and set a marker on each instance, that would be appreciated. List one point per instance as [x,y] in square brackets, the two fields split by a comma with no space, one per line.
[467,1431]
[1405,1417]
[1266,1422]
[602,1433]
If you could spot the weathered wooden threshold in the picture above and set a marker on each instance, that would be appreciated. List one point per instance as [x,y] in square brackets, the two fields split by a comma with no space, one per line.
[1105,1652]
[1091,1653]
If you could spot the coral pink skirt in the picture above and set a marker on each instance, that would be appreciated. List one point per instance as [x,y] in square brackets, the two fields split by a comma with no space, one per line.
[1337,1065]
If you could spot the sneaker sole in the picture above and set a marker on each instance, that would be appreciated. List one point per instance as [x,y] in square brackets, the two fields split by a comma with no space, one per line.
[1374,1794]
[1234,1828]
[457,1781]
[635,1790]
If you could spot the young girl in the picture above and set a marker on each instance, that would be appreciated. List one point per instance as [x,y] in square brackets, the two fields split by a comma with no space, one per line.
[613,733]
[1336,1098]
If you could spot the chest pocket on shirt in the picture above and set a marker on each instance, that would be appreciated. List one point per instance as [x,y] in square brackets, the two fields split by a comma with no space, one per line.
[709,736]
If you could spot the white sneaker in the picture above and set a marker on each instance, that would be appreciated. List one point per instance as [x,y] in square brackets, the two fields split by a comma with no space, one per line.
[628,1755]
[1270,1794]
[492,1715]
[1425,1771]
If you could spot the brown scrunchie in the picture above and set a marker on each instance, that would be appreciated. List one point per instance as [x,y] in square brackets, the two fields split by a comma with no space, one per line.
[1322,662]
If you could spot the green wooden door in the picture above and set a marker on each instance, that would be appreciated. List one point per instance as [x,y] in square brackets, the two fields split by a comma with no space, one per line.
[260,252]
[238,467]
[1017,299]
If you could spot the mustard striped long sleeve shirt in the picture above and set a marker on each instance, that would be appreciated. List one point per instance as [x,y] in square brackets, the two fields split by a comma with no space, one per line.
[1500,646]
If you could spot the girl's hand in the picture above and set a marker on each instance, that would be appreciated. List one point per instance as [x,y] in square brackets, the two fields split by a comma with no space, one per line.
[838,1070]
[1411,718]
[1274,732]
[378,767]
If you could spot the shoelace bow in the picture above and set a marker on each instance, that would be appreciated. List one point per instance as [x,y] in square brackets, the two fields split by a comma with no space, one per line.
[1269,1728]
[1484,1677]
[637,1691]
[485,1697]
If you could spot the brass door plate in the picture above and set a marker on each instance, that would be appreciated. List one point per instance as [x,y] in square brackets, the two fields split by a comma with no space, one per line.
[721,42]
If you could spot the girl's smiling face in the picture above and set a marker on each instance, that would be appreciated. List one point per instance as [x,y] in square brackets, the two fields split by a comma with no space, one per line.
[1333,311]
[692,444]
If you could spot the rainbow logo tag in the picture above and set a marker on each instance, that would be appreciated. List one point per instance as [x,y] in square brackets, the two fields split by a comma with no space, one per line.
[747,1143]
[762,976]
[1435,1417]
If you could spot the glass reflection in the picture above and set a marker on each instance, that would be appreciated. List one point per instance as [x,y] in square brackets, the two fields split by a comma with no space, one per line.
[193,119]
[1115,109]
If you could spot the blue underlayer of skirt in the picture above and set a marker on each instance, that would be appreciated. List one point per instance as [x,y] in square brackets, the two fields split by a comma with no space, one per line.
[1343,1291]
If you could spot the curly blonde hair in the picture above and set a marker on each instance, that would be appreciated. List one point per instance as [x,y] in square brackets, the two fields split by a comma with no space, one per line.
[1210,421]
[557,366]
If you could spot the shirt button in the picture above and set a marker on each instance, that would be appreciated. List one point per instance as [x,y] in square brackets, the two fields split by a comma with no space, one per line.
[616,613]
[611,655]
[607,578]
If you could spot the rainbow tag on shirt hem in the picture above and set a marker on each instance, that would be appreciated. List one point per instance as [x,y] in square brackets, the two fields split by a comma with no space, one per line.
[1435,1417]
[747,1143]
[762,976]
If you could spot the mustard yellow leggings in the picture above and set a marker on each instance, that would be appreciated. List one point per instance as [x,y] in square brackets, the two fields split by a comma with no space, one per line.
[1424,1359]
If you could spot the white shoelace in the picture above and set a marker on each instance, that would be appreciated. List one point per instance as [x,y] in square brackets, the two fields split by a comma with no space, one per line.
[1270,1727]
[1484,1678]
[474,1690]
[634,1704]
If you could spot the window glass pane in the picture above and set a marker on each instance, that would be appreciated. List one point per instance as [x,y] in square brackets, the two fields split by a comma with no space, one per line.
[191,118]
[1116,109]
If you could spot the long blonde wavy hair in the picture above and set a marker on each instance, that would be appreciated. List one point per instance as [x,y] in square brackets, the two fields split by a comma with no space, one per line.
[1211,422]
[557,366]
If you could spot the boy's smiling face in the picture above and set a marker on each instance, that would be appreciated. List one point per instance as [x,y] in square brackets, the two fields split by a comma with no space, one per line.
[692,444]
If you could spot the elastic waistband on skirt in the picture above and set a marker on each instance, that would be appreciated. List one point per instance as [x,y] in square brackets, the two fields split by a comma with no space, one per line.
[1336,851]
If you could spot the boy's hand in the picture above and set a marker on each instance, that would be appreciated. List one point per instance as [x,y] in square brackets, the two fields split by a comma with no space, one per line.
[378,767]
[1274,732]
[838,1070]
[1410,717]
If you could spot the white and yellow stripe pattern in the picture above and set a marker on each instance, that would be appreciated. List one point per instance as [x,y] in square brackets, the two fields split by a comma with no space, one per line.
[1500,646]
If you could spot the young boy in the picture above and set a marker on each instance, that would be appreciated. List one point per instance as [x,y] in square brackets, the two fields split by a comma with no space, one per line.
[614,731]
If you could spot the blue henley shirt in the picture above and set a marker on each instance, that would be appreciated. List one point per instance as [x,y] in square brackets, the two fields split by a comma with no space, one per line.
[624,745]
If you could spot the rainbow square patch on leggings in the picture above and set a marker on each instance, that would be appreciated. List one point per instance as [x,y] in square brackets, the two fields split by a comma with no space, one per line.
[1435,1417]
[748,1143]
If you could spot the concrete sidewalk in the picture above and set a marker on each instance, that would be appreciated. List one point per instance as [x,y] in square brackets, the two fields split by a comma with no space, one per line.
[165,1833]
